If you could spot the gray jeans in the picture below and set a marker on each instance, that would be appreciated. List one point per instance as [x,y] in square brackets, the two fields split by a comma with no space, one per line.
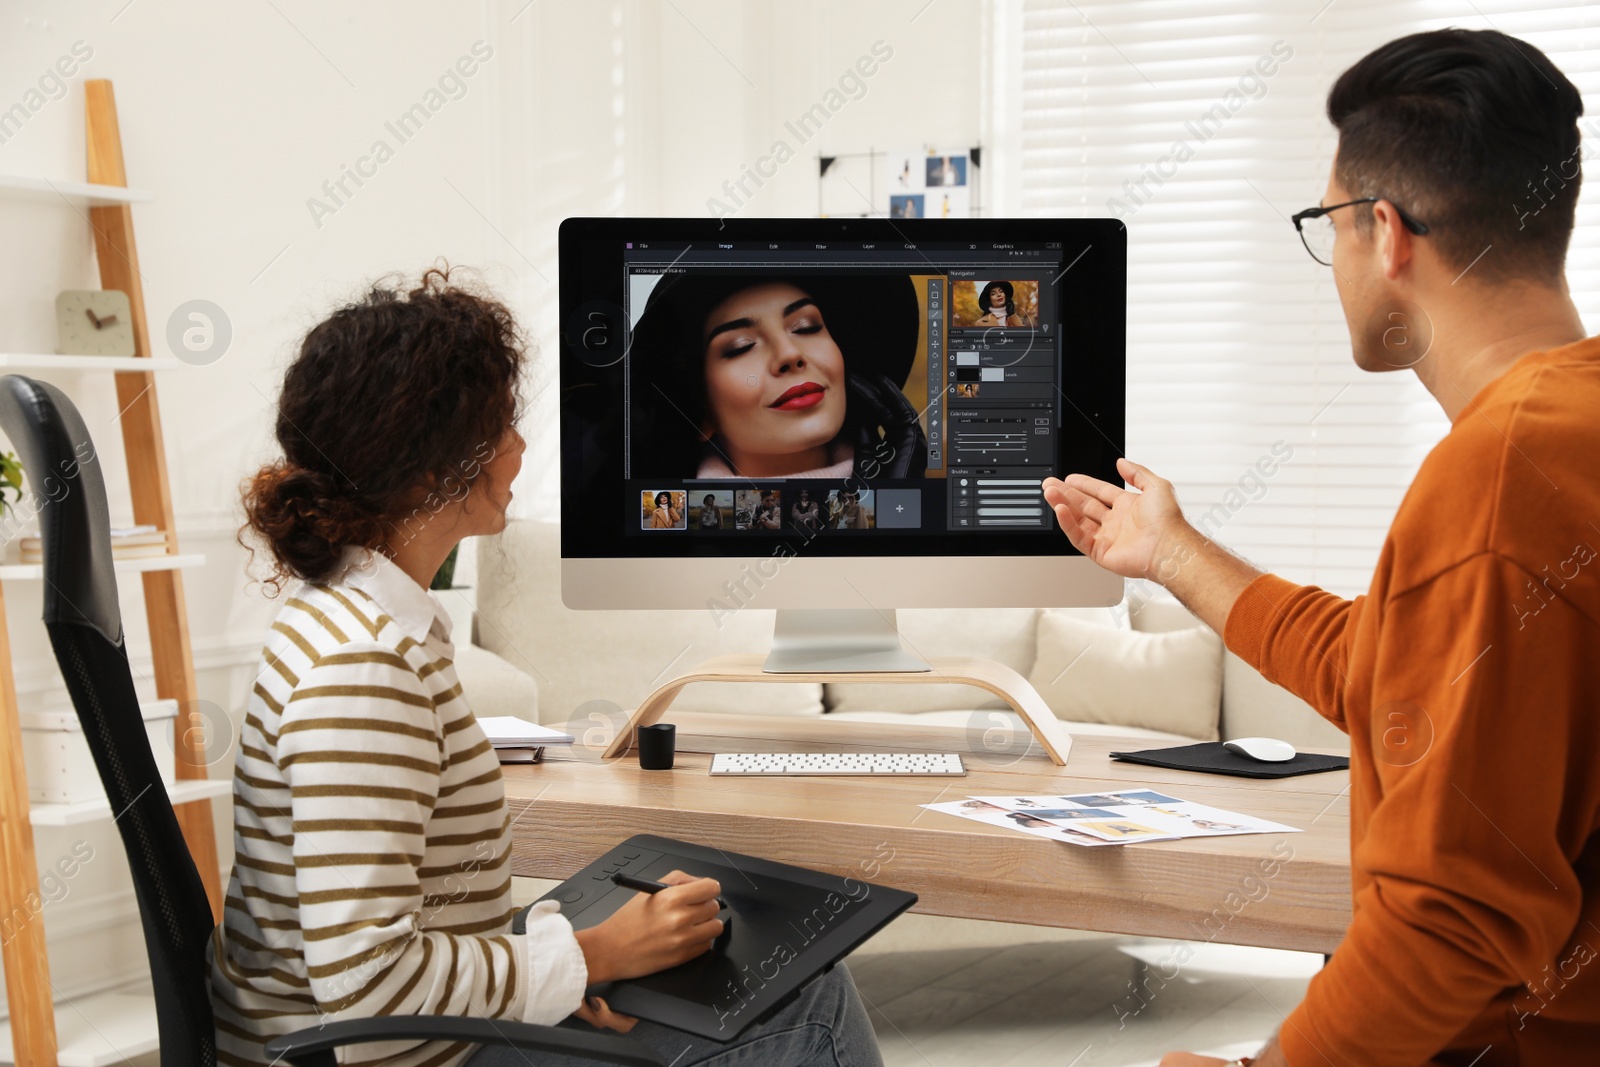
[825,1026]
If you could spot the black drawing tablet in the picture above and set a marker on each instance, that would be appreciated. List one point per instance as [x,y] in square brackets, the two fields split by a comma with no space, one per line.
[789,925]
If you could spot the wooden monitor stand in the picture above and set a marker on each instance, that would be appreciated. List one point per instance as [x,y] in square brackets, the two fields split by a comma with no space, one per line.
[987,674]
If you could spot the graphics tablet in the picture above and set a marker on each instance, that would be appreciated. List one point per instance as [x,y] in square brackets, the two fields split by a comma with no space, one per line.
[789,925]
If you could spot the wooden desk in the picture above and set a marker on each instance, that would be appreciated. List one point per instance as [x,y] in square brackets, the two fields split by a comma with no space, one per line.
[1287,891]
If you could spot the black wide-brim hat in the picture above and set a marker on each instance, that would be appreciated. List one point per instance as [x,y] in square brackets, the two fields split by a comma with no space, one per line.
[873,317]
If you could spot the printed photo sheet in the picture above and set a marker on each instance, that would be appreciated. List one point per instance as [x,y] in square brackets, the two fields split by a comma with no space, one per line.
[1110,818]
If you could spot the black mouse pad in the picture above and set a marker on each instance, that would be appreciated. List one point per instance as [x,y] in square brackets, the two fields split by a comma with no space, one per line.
[790,924]
[1209,757]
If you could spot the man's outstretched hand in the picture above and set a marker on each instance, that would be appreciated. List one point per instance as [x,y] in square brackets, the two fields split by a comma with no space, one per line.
[1136,532]
[1141,533]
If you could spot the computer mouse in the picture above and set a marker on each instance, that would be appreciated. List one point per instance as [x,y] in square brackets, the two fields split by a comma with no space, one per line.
[1262,749]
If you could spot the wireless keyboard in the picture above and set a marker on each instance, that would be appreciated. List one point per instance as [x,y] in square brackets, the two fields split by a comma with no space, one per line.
[757,764]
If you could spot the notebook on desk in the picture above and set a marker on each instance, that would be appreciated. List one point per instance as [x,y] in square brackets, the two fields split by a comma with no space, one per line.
[518,740]
[790,924]
[508,731]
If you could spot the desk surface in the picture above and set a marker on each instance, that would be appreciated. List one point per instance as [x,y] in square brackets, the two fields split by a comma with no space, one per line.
[1275,890]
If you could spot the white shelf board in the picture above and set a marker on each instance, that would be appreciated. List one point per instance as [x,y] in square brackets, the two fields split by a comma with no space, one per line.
[24,571]
[46,361]
[98,1030]
[80,194]
[179,792]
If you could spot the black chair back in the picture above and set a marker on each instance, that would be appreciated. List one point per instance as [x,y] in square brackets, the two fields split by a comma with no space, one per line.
[81,615]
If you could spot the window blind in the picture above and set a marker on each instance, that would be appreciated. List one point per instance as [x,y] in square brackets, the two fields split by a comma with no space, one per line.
[1203,126]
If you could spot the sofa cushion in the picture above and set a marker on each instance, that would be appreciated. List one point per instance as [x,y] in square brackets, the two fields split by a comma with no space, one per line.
[616,656]
[1003,634]
[1254,707]
[1171,682]
[495,687]
[1157,612]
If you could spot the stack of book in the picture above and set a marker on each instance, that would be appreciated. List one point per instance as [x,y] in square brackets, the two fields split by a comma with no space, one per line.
[519,741]
[130,542]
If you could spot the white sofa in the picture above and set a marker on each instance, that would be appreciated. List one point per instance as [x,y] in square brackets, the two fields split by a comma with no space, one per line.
[534,656]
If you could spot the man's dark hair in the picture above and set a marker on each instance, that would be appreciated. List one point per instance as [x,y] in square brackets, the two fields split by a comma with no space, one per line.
[1474,133]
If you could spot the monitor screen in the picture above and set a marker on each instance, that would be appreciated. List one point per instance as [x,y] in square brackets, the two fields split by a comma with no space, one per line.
[839,387]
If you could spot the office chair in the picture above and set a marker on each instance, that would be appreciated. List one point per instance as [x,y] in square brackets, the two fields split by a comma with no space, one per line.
[85,628]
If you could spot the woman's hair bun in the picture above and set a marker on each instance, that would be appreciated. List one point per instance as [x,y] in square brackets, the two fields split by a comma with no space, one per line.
[304,519]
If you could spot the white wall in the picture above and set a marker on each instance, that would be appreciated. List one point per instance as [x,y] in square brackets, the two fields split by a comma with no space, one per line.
[234,115]
[690,94]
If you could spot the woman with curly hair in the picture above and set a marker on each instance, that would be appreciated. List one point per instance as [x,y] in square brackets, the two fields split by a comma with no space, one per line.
[370,823]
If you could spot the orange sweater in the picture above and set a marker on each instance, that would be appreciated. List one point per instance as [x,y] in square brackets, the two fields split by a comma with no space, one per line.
[1468,679]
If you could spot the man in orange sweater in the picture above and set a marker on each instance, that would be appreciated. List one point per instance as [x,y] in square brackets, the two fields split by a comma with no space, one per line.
[1468,677]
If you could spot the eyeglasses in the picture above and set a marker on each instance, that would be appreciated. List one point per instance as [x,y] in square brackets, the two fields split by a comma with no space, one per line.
[1317,232]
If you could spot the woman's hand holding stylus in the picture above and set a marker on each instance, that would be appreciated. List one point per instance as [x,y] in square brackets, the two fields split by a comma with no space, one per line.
[654,931]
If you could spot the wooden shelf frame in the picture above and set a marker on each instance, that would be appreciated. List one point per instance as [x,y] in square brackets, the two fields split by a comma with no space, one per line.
[35,1041]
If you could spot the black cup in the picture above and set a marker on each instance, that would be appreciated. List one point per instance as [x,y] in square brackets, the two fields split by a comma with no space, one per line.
[656,746]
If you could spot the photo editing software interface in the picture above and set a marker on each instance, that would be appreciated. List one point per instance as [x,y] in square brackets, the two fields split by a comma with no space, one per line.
[849,386]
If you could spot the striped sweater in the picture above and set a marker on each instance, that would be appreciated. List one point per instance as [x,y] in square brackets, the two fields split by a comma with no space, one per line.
[371,835]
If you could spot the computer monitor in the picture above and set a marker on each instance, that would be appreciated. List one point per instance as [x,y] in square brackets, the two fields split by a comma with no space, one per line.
[834,418]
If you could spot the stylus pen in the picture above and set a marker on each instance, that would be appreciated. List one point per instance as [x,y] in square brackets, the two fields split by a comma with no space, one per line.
[645,885]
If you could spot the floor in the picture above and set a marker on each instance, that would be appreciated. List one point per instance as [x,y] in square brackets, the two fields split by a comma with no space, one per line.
[1001,995]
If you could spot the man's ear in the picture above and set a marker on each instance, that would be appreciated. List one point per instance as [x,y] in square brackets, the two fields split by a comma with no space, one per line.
[1395,251]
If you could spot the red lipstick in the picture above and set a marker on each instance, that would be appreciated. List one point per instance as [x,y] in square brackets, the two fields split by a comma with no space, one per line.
[797,397]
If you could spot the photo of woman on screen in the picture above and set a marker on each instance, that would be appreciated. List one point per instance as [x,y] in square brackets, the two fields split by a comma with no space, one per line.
[710,514]
[849,509]
[776,377]
[663,511]
[998,299]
